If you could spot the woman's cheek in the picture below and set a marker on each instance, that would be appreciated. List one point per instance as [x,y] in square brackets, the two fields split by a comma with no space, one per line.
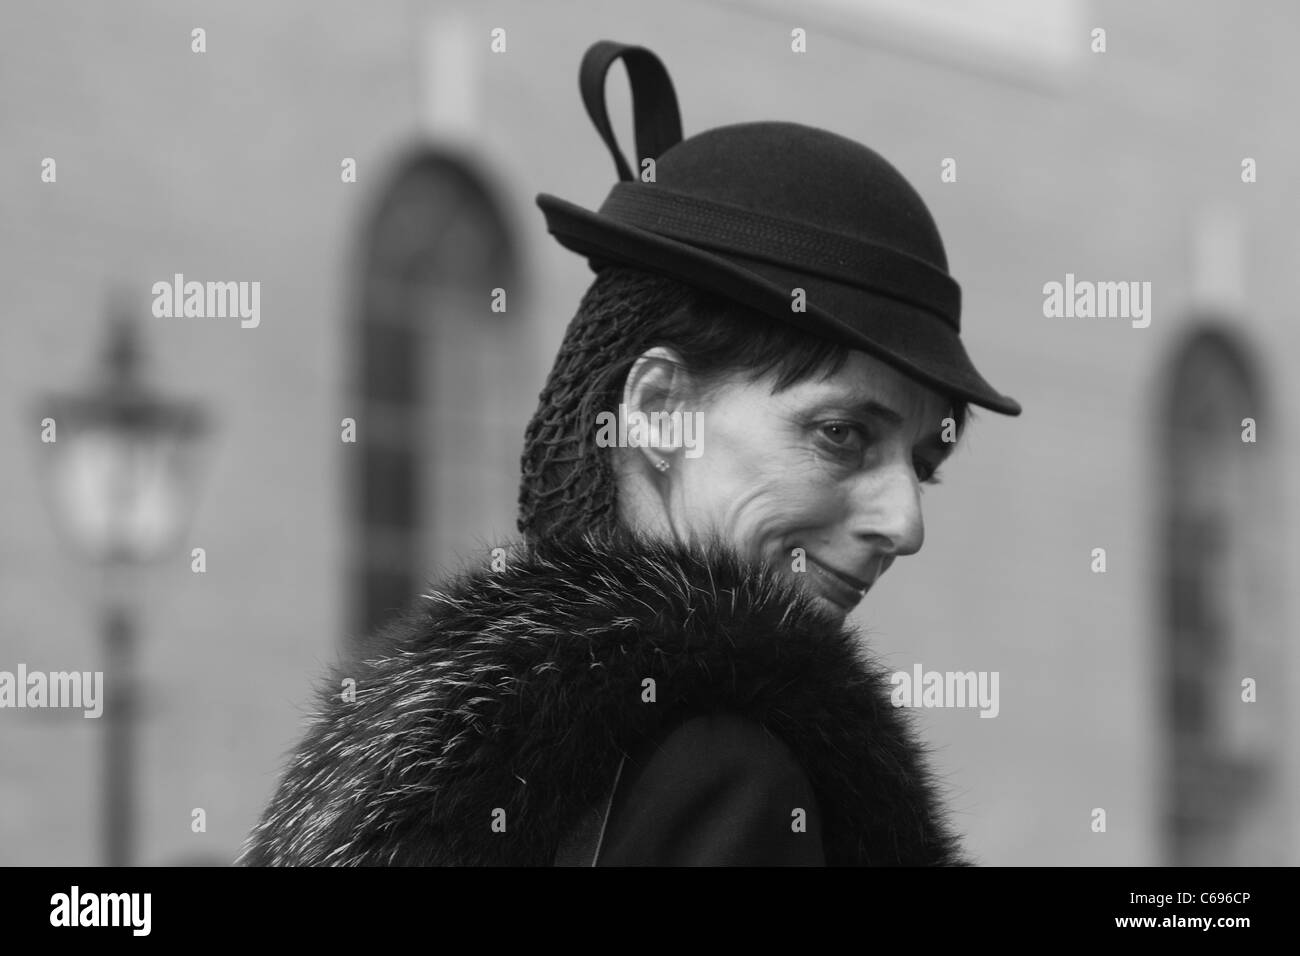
[743,517]
[814,487]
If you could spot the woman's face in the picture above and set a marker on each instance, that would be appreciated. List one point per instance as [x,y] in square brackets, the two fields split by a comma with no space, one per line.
[831,466]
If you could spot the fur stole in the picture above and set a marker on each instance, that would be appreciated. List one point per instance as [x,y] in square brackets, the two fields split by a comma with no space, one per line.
[510,696]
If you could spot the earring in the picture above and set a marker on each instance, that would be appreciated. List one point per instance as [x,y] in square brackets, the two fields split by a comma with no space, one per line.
[662,464]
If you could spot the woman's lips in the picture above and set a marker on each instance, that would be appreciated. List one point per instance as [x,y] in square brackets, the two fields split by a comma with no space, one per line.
[838,587]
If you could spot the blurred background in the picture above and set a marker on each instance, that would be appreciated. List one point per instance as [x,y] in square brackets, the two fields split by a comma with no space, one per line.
[1119,690]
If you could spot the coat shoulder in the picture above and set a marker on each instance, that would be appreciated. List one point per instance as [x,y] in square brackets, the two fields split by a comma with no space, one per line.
[715,790]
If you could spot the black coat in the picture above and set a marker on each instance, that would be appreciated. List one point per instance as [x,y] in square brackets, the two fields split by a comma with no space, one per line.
[489,725]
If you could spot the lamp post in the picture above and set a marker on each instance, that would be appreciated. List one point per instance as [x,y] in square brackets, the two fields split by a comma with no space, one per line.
[121,476]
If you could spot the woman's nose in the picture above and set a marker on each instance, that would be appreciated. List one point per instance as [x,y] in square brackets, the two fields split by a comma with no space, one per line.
[888,509]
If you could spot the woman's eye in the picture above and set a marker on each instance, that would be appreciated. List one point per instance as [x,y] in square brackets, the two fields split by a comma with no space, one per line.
[843,438]
[838,432]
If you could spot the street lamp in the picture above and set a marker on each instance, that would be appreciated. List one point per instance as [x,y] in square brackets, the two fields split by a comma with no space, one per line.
[121,477]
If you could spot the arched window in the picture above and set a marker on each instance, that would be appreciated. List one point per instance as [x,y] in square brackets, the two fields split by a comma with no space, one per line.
[1218,553]
[428,358]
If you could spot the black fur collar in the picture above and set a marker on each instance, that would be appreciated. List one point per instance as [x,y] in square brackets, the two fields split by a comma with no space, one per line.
[520,690]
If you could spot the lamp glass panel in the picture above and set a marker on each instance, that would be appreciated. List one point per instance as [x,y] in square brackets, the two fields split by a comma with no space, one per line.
[121,494]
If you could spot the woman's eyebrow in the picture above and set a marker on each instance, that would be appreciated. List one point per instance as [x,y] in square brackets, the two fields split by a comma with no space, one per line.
[875,409]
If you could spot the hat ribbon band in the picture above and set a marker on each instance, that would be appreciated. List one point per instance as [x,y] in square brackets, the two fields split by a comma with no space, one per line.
[730,229]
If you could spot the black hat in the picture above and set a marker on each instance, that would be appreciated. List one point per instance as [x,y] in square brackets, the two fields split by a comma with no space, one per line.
[755,210]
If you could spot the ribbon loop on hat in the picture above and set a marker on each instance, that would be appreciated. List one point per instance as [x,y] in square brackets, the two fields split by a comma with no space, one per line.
[656,119]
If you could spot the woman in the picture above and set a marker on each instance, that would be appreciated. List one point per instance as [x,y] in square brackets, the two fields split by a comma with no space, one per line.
[660,671]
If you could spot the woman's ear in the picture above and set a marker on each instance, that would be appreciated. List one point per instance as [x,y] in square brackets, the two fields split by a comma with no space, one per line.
[658,386]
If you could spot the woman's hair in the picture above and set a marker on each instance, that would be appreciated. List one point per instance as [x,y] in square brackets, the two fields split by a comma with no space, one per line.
[568,482]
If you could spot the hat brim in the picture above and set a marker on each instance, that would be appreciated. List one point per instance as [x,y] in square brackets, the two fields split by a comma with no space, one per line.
[876,324]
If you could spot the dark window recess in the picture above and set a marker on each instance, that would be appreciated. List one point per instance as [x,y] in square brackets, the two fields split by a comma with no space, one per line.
[388,487]
[1210,524]
[436,232]
[391,355]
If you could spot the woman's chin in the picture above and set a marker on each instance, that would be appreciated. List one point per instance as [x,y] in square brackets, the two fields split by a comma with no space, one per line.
[834,608]
[840,609]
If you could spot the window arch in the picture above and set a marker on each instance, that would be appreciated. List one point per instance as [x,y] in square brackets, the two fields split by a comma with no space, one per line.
[1222,786]
[433,249]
